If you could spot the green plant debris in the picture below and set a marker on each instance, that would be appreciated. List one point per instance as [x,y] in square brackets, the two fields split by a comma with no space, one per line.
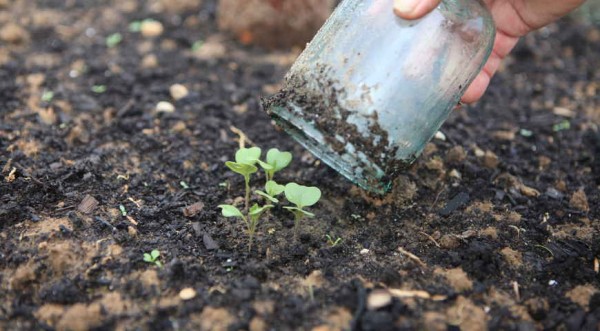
[197,45]
[526,133]
[47,96]
[99,89]
[562,126]
[135,26]
[113,40]
[123,210]
[153,257]
[184,185]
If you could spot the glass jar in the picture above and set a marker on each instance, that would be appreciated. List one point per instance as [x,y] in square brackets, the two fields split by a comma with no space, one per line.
[372,89]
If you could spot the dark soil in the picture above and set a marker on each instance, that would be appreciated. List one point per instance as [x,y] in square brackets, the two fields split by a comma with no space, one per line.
[497,226]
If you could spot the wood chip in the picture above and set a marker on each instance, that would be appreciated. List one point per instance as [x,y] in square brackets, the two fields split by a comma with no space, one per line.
[193,210]
[411,256]
[563,112]
[398,293]
[88,204]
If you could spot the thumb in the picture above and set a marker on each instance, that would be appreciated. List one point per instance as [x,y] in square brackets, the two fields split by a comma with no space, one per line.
[414,9]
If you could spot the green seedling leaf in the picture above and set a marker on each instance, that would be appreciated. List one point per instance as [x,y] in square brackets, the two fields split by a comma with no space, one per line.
[277,159]
[267,196]
[273,189]
[265,166]
[147,258]
[298,210]
[248,155]
[230,211]
[241,168]
[155,254]
[302,196]
[256,210]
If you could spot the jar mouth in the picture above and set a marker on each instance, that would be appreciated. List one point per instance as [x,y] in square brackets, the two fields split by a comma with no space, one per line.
[370,178]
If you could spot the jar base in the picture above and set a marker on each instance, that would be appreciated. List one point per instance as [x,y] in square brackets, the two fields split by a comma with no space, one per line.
[372,179]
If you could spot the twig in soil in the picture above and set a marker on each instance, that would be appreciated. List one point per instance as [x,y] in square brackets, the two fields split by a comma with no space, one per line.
[515,285]
[545,248]
[412,257]
[596,265]
[65,208]
[437,197]
[243,137]
[430,238]
[517,229]
[123,110]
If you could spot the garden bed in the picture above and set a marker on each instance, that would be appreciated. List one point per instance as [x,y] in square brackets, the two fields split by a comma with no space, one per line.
[496,225]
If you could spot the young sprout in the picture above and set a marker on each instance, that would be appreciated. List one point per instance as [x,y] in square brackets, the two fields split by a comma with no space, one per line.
[301,196]
[276,160]
[153,257]
[245,160]
[113,40]
[272,189]
[251,221]
[331,241]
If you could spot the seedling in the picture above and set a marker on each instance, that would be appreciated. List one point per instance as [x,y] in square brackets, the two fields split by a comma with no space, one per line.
[113,40]
[277,161]
[331,242]
[251,220]
[246,163]
[245,160]
[153,257]
[272,189]
[301,196]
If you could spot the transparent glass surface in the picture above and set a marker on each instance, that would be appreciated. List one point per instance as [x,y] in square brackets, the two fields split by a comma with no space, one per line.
[371,89]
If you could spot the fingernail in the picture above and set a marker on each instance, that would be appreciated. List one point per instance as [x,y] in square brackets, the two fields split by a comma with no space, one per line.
[405,6]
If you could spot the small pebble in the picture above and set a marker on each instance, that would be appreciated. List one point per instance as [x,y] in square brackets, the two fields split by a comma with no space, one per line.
[440,136]
[364,251]
[149,61]
[178,91]
[151,28]
[455,174]
[187,294]
[165,107]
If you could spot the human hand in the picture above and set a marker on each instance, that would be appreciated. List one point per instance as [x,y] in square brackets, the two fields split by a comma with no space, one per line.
[513,18]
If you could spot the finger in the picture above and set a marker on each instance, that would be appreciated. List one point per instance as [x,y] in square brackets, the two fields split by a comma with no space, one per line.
[476,90]
[414,9]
